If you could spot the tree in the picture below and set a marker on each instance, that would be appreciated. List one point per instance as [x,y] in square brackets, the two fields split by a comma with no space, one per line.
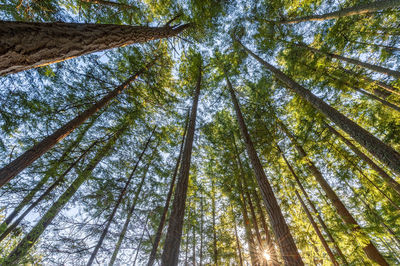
[172,241]
[349,11]
[68,40]
[282,234]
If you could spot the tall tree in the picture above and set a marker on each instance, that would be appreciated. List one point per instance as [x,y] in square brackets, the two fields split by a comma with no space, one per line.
[380,150]
[349,11]
[24,160]
[41,44]
[164,213]
[171,246]
[370,250]
[118,202]
[30,239]
[283,236]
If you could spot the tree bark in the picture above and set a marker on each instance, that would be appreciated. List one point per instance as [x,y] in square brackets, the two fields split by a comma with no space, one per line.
[130,211]
[349,11]
[370,250]
[281,230]
[119,200]
[380,150]
[215,250]
[172,242]
[58,181]
[31,155]
[26,45]
[30,239]
[163,217]
[47,175]
[388,179]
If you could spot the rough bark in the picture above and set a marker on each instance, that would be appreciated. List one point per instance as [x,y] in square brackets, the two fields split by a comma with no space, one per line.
[370,250]
[118,202]
[131,211]
[172,242]
[25,45]
[58,181]
[377,148]
[52,169]
[30,239]
[282,234]
[349,11]
[388,179]
[31,155]
[163,217]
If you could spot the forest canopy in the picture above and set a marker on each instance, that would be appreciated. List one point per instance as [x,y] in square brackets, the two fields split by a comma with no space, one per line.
[199,132]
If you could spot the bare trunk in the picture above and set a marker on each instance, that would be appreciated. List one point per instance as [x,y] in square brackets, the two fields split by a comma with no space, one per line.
[141,239]
[130,211]
[201,231]
[31,155]
[281,230]
[380,150]
[163,217]
[26,45]
[119,200]
[30,239]
[388,179]
[370,250]
[174,233]
[58,181]
[349,11]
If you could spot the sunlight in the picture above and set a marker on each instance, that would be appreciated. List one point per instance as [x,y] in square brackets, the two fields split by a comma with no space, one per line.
[266,255]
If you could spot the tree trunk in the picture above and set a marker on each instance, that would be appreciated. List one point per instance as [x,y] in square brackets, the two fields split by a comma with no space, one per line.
[30,239]
[317,231]
[270,245]
[172,242]
[353,61]
[237,238]
[386,87]
[163,217]
[388,179]
[119,200]
[31,155]
[281,230]
[47,175]
[215,250]
[26,45]
[131,210]
[110,3]
[58,181]
[201,231]
[349,11]
[370,250]
[254,218]
[380,150]
[141,239]
[314,209]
